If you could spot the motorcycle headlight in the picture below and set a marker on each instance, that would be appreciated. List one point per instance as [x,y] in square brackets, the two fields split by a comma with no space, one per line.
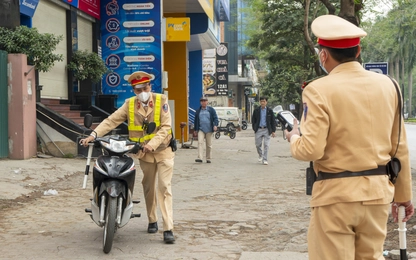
[117,146]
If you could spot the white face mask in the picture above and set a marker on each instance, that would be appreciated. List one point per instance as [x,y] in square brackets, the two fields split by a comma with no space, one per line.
[143,96]
[322,64]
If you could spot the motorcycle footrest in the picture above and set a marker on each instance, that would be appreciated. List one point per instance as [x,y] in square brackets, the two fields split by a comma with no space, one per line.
[136,201]
[88,210]
[135,215]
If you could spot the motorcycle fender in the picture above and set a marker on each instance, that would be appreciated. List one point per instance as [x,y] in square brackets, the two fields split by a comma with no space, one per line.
[126,215]
[113,188]
[95,213]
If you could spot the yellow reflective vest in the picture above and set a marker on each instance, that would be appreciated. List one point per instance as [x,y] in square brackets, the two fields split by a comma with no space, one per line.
[139,128]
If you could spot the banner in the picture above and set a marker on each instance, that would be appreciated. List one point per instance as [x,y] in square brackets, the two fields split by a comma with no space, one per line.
[208,72]
[131,41]
[91,7]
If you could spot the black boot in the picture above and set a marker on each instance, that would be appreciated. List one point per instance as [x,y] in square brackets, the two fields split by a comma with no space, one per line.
[152,228]
[168,237]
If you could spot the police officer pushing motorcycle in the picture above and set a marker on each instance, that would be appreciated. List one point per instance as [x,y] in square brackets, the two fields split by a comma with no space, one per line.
[156,157]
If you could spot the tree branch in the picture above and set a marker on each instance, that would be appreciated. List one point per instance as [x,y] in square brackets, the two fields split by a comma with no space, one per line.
[329,6]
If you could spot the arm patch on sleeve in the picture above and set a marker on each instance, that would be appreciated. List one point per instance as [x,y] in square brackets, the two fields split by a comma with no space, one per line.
[165,108]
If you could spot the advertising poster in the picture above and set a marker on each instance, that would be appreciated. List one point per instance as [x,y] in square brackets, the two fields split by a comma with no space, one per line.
[209,79]
[131,41]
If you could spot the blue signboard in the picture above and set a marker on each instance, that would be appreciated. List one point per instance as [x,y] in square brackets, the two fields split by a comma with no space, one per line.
[28,7]
[131,41]
[379,67]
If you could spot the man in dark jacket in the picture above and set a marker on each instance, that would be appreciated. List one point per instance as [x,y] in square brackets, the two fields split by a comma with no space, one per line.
[264,125]
[206,122]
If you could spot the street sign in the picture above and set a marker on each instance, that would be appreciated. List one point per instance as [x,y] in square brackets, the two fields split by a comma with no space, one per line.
[379,67]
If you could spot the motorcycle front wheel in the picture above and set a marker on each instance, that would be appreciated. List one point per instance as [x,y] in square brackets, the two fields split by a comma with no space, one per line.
[110,224]
[244,127]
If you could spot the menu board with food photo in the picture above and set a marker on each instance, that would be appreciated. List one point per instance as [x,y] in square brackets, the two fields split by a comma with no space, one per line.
[209,77]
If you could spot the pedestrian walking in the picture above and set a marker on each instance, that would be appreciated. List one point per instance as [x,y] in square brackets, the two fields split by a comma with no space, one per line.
[206,122]
[350,130]
[264,126]
[156,158]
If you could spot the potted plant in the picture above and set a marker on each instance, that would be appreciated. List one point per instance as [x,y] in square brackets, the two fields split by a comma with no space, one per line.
[87,65]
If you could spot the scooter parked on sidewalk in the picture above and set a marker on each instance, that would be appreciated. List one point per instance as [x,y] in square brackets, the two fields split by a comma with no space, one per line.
[113,182]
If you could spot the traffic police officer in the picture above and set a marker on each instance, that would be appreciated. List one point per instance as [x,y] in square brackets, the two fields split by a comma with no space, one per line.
[156,158]
[350,126]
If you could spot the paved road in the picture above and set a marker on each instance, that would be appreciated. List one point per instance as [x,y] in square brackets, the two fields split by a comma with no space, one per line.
[233,208]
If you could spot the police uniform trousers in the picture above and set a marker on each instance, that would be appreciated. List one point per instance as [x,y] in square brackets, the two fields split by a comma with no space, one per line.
[335,233]
[157,178]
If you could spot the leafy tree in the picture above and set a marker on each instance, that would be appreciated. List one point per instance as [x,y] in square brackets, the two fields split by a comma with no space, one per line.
[87,65]
[277,38]
[391,38]
[280,35]
[38,47]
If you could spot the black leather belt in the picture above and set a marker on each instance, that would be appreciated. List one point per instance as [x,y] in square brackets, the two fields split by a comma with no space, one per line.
[262,127]
[380,170]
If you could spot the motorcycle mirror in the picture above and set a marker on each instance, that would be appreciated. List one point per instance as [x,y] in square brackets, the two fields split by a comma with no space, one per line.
[151,127]
[88,120]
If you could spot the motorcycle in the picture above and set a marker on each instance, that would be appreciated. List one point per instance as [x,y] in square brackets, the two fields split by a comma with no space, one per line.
[113,182]
[229,129]
[244,124]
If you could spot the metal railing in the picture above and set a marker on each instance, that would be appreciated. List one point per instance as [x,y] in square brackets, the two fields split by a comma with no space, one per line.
[191,115]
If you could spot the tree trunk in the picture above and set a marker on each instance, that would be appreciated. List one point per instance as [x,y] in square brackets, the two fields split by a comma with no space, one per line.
[402,78]
[410,86]
[347,11]
[397,72]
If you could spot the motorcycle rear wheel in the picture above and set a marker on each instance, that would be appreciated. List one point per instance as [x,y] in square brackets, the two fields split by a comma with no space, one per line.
[110,224]
[217,135]
[232,135]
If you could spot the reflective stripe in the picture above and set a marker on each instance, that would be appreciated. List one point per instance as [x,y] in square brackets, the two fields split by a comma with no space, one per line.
[132,126]
[156,118]
[146,137]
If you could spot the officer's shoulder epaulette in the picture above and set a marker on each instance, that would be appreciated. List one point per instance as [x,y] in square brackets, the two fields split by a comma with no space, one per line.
[309,81]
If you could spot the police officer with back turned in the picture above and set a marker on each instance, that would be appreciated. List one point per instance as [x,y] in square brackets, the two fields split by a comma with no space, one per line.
[350,130]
